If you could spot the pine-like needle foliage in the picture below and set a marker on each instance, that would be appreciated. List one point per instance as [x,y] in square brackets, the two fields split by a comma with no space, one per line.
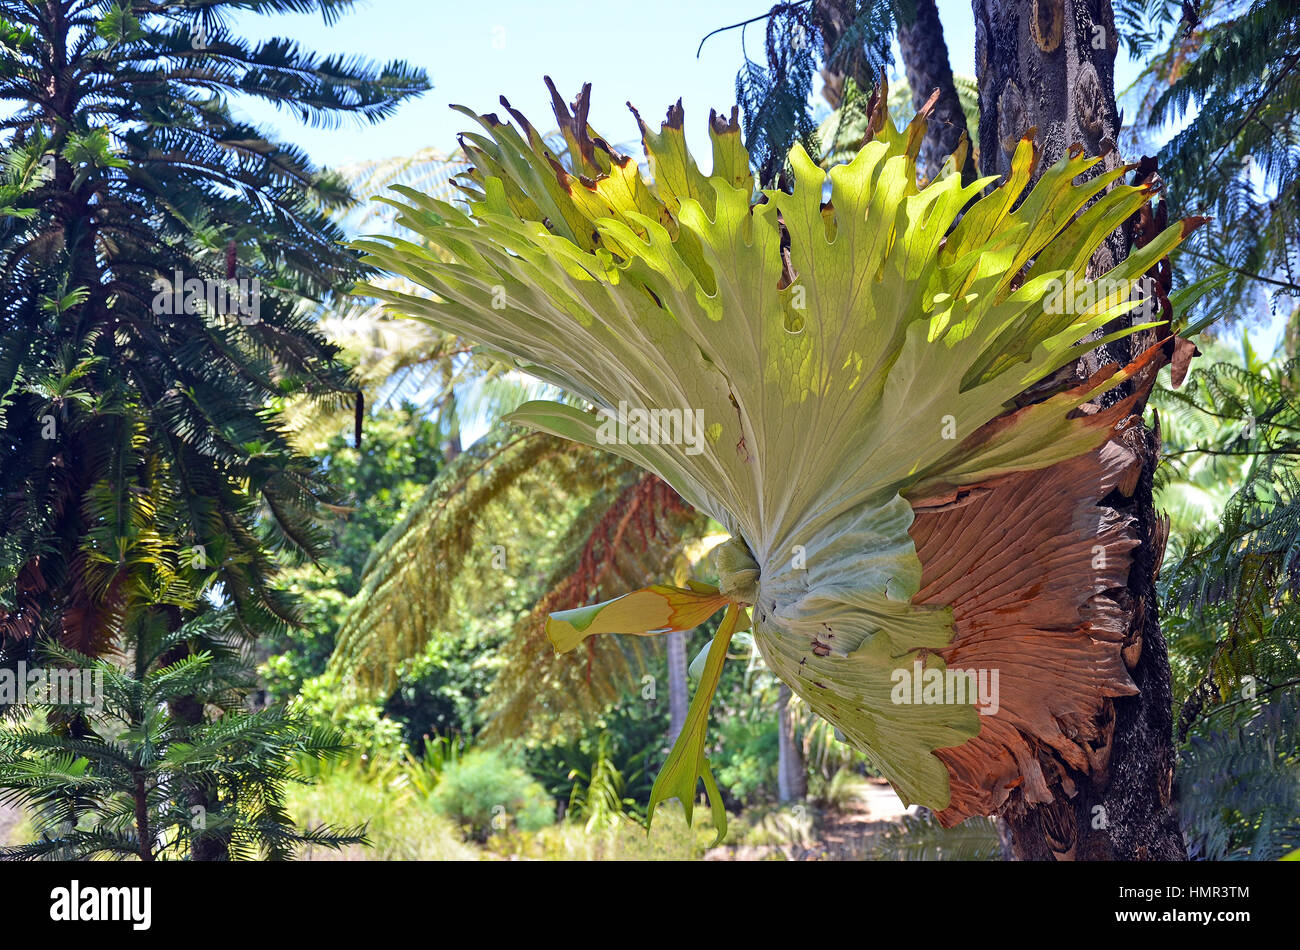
[158,260]
[851,38]
[118,780]
[142,192]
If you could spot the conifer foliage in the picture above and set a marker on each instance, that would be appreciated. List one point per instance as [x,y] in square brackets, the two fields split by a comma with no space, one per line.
[157,259]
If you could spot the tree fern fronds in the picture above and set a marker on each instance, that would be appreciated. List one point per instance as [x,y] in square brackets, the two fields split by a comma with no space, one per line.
[1239,788]
[1230,589]
[623,539]
[1241,582]
[474,520]
[922,838]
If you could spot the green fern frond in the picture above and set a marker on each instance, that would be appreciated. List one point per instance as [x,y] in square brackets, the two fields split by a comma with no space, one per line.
[1239,788]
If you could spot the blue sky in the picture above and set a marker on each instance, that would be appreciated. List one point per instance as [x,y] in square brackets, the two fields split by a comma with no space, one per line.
[640,51]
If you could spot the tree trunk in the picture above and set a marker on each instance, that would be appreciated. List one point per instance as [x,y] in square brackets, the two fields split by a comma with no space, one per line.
[450,411]
[1049,65]
[678,695]
[142,830]
[925,58]
[205,845]
[836,16]
[791,773]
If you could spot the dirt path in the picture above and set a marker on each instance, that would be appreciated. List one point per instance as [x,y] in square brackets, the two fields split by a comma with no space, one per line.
[843,834]
[847,835]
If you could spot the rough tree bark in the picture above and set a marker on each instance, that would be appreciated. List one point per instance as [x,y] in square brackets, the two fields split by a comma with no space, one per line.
[925,58]
[1049,65]
[204,845]
[143,833]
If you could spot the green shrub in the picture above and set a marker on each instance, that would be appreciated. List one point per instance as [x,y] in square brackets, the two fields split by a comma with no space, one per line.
[485,792]
[401,823]
[623,840]
[845,790]
[745,764]
[369,734]
[787,829]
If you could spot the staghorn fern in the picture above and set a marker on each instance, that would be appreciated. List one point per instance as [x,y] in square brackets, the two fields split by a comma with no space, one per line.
[856,365]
